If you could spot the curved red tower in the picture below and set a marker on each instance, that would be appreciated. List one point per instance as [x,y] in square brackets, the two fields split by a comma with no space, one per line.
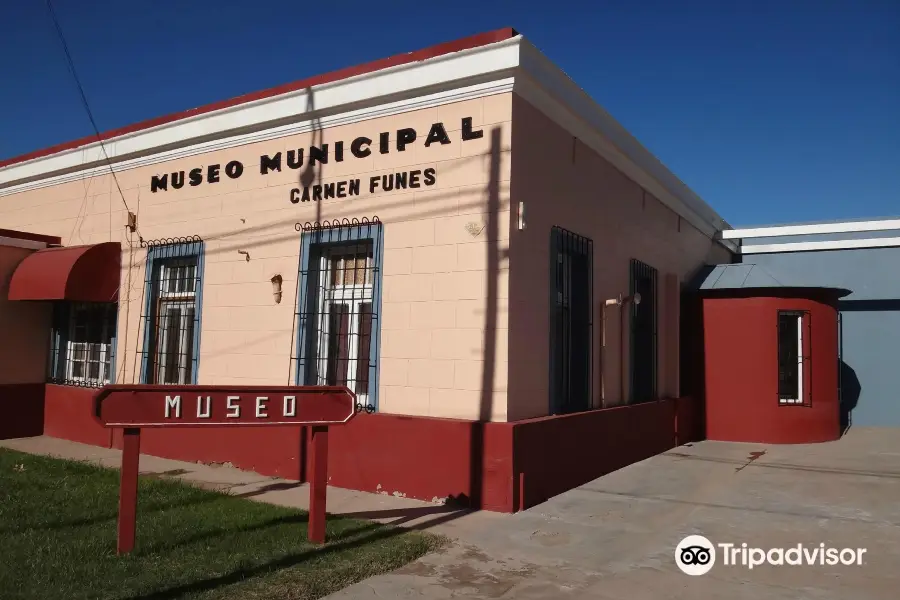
[771,359]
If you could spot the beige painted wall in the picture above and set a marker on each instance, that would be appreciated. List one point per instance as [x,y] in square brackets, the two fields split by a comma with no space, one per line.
[564,183]
[24,328]
[434,278]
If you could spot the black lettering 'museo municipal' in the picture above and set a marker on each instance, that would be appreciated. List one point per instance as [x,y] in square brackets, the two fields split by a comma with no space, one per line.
[159,182]
[295,158]
[404,138]
[234,169]
[269,163]
[318,155]
[360,147]
[437,134]
[467,133]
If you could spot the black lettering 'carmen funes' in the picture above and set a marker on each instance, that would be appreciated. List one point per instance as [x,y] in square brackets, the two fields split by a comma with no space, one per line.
[360,147]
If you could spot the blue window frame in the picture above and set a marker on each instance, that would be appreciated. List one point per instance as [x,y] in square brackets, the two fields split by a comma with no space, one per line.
[83,344]
[174,297]
[338,309]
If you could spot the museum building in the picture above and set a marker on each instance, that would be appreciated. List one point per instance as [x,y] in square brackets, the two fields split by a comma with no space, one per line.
[521,296]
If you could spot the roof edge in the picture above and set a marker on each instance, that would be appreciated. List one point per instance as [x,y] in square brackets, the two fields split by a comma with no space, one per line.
[466,43]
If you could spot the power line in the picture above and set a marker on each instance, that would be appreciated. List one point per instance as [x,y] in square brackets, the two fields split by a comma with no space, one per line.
[84,101]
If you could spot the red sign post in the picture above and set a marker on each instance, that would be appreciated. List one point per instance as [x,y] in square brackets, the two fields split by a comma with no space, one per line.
[134,407]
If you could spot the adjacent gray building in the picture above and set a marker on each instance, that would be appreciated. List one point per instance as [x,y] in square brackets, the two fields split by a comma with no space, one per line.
[864,257]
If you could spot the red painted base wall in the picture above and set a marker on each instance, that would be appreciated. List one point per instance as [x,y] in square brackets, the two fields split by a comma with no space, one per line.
[555,454]
[502,466]
[495,466]
[272,451]
[22,407]
[68,414]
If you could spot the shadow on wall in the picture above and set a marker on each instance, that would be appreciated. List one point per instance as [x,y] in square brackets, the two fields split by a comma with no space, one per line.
[349,472]
[850,391]
[309,175]
[850,387]
[492,273]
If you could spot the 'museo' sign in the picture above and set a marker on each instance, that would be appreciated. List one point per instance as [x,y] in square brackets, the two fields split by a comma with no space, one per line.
[338,151]
[134,407]
[202,406]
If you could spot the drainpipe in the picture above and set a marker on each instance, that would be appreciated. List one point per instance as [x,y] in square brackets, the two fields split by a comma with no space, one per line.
[619,301]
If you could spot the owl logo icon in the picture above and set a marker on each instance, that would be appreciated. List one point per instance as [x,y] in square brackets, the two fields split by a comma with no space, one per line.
[695,555]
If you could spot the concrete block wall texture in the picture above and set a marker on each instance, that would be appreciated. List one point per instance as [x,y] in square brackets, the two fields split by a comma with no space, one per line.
[564,183]
[870,323]
[434,277]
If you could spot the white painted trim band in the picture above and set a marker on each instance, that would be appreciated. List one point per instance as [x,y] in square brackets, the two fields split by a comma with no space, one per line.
[512,64]
[393,108]
[812,229]
[892,242]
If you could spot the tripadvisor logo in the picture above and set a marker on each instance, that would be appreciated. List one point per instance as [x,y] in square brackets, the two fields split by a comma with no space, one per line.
[696,555]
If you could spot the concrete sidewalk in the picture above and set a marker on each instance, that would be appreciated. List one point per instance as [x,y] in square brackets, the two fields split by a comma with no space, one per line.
[382,508]
[615,537]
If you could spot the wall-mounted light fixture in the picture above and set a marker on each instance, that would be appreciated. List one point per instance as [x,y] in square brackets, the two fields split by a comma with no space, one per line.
[521,216]
[619,301]
[276,288]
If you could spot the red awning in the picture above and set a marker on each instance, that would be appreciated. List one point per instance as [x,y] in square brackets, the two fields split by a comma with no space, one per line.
[78,273]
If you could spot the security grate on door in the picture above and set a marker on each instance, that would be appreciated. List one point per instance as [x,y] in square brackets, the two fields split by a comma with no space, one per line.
[571,324]
[643,363]
[337,312]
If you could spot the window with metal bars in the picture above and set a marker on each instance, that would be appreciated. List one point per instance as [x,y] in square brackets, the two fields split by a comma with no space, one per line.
[571,325]
[171,319]
[793,361]
[82,344]
[338,307]
[644,353]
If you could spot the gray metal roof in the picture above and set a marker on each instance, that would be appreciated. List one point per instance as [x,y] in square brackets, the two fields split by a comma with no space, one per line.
[748,276]
[739,276]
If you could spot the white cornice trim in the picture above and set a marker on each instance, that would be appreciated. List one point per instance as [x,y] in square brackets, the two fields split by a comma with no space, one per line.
[549,89]
[20,243]
[363,96]
[891,242]
[812,229]
[509,65]
[455,95]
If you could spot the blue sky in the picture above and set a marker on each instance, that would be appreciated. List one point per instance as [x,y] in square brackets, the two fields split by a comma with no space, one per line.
[772,111]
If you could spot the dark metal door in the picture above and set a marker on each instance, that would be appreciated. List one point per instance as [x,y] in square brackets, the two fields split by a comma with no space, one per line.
[571,266]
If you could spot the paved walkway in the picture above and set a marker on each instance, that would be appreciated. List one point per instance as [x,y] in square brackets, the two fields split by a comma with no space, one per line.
[614,538]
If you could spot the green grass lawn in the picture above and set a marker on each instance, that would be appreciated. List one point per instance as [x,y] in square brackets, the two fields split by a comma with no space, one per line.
[58,539]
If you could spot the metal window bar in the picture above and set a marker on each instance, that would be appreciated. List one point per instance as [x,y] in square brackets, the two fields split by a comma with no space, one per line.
[82,344]
[171,316]
[337,310]
[644,322]
[840,366]
[794,338]
[571,321]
